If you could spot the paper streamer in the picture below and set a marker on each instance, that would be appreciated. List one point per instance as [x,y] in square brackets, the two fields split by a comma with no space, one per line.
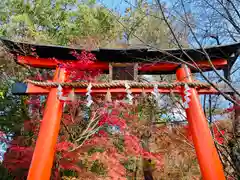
[186,96]
[59,92]
[156,95]
[129,93]
[88,94]
[70,97]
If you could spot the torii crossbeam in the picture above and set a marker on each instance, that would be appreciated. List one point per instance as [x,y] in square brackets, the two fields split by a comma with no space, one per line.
[152,62]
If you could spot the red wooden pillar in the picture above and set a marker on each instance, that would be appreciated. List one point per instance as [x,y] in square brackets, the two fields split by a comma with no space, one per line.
[210,164]
[44,152]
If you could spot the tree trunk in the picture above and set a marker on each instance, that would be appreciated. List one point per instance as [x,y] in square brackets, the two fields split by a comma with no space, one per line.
[235,144]
[147,165]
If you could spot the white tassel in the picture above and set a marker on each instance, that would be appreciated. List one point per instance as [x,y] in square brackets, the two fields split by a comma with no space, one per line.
[186,96]
[129,93]
[88,94]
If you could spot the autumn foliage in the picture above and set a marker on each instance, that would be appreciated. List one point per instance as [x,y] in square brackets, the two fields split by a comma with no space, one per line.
[96,142]
[108,147]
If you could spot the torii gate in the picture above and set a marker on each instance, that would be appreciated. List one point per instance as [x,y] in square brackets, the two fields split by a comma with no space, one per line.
[160,63]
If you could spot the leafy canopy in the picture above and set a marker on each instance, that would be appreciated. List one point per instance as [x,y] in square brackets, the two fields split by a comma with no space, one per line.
[55,21]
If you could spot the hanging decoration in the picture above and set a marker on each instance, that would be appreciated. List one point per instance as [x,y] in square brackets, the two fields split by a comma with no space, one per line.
[88,94]
[59,92]
[129,93]
[186,96]
[156,95]
[108,97]
[70,97]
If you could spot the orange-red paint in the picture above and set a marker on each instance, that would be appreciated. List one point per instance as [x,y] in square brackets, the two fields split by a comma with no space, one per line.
[44,152]
[170,66]
[210,164]
[32,89]
[51,63]
[104,66]
[37,62]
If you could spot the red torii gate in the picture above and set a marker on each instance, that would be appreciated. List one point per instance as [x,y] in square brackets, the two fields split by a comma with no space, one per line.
[42,161]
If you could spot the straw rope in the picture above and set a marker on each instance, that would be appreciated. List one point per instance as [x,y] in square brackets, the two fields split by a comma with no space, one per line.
[120,84]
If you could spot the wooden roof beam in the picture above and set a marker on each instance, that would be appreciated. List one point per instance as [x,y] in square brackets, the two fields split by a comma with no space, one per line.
[144,68]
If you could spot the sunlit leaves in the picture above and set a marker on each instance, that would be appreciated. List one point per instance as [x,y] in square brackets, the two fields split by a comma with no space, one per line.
[58,22]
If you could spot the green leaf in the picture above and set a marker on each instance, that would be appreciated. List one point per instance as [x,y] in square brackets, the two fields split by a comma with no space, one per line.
[1,95]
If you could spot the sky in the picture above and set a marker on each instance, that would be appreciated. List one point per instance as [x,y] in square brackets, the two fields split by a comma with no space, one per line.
[118,5]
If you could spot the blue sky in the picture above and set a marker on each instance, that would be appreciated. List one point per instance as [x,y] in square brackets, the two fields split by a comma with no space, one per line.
[121,5]
[118,5]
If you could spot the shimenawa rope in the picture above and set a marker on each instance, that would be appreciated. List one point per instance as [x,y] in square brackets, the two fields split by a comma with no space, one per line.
[120,84]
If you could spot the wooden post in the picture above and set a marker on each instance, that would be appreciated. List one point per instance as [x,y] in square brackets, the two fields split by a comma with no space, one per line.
[44,152]
[210,164]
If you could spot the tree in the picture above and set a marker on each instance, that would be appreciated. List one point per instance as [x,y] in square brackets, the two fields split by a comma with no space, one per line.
[57,22]
[143,24]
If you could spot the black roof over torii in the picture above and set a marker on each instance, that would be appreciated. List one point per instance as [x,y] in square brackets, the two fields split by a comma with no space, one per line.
[132,54]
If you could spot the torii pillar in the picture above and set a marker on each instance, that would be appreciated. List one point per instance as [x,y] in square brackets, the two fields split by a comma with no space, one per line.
[44,152]
[209,161]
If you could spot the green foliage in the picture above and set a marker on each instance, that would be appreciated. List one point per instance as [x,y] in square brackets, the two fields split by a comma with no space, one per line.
[56,22]
[98,168]
[14,111]
[130,164]
[95,149]
[4,174]
[70,22]
[119,144]
[2,95]
[68,173]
